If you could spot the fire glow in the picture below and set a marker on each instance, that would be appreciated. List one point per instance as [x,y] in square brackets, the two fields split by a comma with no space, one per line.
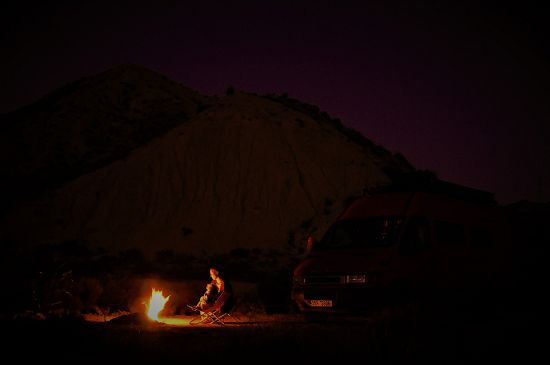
[156,304]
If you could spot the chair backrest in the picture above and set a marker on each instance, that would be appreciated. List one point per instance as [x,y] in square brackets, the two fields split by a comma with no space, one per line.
[222,302]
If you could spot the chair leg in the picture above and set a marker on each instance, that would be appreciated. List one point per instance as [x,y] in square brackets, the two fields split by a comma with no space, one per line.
[203,318]
[196,320]
[213,317]
[216,319]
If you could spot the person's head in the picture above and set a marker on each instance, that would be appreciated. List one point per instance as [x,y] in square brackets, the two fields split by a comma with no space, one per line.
[214,273]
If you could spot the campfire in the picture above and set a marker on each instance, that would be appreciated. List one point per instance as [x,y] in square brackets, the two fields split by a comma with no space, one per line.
[156,304]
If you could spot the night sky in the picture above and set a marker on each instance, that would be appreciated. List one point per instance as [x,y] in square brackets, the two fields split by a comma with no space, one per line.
[459,89]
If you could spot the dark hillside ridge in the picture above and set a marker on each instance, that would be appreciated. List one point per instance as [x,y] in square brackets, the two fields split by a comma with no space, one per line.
[366,144]
[86,125]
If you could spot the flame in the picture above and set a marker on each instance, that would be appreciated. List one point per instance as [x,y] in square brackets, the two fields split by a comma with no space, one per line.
[156,304]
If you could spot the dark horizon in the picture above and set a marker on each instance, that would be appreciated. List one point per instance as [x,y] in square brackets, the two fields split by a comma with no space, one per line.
[457,89]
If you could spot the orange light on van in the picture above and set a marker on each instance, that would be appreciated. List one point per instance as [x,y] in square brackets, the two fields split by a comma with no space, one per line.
[356,279]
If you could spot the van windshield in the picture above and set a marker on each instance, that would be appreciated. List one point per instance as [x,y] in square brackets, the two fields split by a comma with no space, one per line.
[361,233]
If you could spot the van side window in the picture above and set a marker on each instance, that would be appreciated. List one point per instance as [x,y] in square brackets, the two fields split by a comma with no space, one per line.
[449,233]
[416,237]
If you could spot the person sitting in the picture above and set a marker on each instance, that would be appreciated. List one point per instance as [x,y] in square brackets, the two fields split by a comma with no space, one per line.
[217,281]
[214,289]
[216,303]
[208,298]
[225,291]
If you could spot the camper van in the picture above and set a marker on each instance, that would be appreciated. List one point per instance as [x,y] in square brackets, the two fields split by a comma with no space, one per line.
[441,236]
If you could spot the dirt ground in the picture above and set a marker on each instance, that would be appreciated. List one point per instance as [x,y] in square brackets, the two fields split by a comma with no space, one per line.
[443,337]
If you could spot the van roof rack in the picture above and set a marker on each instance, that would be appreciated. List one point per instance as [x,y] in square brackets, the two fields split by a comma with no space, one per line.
[426,181]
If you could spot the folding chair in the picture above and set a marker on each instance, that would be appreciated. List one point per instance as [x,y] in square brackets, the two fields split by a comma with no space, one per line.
[216,314]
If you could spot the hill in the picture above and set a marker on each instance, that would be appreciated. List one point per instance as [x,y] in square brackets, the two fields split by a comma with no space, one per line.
[128,159]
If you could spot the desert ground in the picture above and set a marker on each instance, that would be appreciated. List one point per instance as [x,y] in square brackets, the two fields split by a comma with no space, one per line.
[444,335]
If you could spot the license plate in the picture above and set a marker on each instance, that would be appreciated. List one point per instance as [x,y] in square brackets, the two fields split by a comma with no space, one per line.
[320,303]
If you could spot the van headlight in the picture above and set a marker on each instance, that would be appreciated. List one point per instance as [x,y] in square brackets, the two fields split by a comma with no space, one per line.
[356,279]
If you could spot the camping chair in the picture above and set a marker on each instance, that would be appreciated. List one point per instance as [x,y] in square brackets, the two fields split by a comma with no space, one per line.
[216,314]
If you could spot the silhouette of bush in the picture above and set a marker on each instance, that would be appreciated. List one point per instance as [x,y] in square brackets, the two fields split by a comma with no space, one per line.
[306,223]
[350,199]
[186,231]
[291,240]
[240,253]
[274,292]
